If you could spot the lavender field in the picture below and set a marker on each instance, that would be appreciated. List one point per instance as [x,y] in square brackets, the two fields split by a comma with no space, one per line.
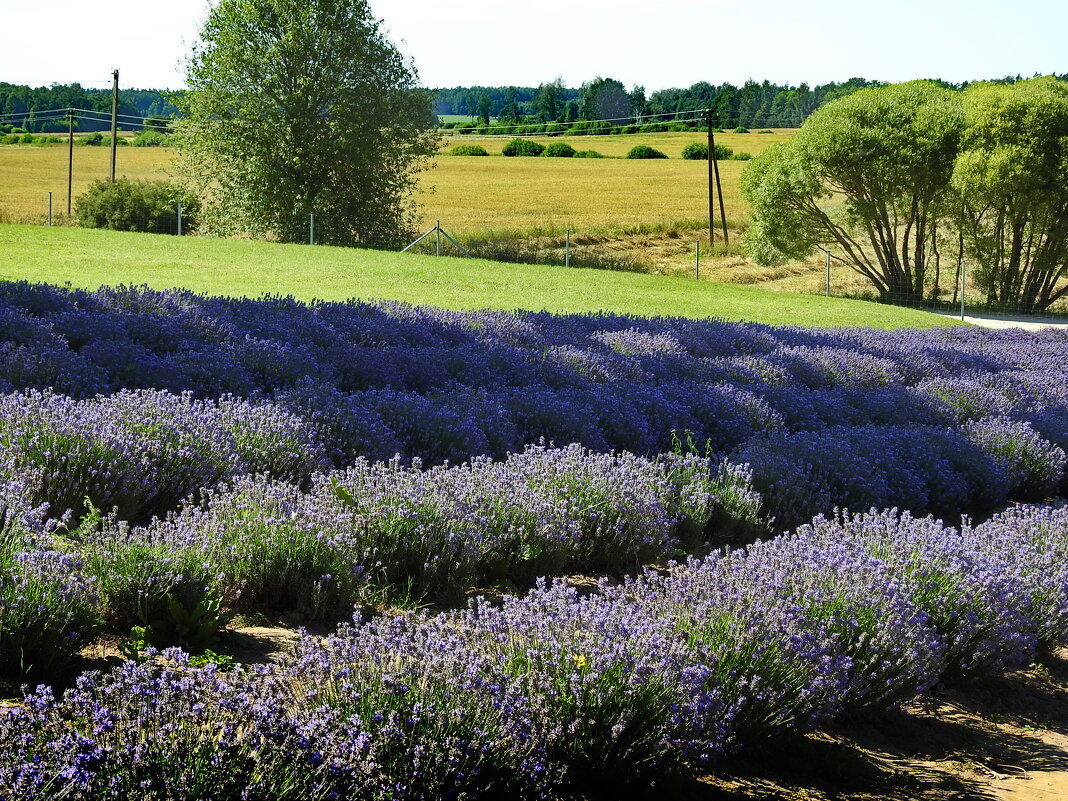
[759,509]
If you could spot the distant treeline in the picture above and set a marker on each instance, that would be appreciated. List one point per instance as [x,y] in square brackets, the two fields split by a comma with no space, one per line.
[752,105]
[24,107]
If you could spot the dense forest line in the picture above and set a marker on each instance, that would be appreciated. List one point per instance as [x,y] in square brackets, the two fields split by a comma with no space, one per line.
[25,107]
[763,104]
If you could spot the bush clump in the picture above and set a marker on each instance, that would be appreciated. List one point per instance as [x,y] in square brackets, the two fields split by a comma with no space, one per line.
[741,129]
[588,154]
[144,206]
[741,155]
[645,152]
[698,151]
[150,137]
[559,150]
[523,147]
[468,150]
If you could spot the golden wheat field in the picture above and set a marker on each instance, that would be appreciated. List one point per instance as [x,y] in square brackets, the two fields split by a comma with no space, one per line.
[29,172]
[468,194]
[643,214]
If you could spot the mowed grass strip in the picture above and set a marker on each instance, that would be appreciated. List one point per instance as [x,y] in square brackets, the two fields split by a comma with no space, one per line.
[92,258]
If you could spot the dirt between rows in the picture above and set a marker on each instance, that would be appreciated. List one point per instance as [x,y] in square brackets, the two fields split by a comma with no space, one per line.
[1005,739]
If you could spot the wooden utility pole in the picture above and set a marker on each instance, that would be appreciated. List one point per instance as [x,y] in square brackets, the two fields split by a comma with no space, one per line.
[719,186]
[114,120]
[713,175]
[70,156]
[711,197]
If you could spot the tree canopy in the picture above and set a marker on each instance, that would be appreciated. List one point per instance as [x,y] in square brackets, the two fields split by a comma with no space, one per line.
[893,177]
[300,107]
[1011,176]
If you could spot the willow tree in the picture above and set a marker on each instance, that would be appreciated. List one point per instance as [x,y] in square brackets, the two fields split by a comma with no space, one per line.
[1012,178]
[869,175]
[301,107]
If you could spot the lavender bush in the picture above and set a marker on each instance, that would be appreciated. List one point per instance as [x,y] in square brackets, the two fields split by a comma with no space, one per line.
[547,693]
[48,601]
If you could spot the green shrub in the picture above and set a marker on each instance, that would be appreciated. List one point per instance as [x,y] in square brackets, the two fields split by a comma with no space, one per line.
[27,139]
[695,151]
[468,150]
[150,137]
[559,150]
[92,139]
[523,147]
[125,205]
[766,130]
[698,151]
[741,155]
[9,139]
[588,154]
[741,129]
[645,152]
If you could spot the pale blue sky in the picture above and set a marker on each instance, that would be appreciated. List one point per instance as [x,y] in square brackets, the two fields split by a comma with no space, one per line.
[669,43]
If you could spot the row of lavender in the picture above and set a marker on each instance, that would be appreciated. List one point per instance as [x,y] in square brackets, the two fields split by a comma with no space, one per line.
[141,453]
[939,421]
[373,533]
[543,693]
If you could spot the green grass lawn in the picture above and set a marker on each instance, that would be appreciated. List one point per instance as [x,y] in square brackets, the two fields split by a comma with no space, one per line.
[92,258]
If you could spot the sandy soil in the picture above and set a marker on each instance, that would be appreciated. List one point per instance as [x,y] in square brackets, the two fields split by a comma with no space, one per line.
[1003,740]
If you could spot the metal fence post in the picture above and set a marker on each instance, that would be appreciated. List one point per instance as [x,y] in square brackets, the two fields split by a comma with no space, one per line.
[49,209]
[697,260]
[311,228]
[179,205]
[567,248]
[828,284]
[437,229]
[963,283]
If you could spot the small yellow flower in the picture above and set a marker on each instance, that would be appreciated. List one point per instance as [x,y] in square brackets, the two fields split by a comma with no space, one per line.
[580,660]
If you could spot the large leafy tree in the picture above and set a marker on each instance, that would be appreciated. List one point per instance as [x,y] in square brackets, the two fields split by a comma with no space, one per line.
[1012,178]
[604,99]
[304,106]
[868,174]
